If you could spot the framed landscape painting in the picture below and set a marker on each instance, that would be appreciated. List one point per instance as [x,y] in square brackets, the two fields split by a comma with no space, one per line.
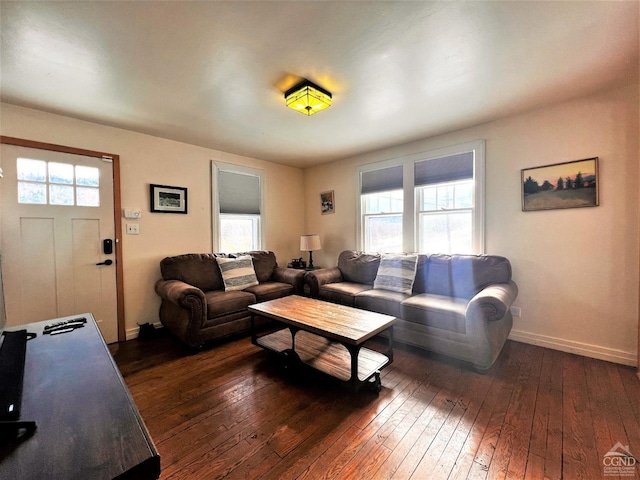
[561,185]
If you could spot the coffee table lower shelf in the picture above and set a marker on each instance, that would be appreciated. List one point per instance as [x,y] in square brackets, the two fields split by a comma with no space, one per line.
[329,357]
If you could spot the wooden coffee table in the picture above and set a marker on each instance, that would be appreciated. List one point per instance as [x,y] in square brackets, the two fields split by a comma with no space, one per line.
[327,337]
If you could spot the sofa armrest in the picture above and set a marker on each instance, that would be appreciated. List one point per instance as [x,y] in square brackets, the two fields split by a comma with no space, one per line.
[493,302]
[292,276]
[316,278]
[184,296]
[178,292]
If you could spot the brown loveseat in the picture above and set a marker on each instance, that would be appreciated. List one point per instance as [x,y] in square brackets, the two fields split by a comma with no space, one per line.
[195,306]
[459,305]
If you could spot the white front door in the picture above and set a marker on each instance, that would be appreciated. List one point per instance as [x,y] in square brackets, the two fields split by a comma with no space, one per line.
[57,210]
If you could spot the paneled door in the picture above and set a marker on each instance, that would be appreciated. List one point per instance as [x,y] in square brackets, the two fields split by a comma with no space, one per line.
[57,212]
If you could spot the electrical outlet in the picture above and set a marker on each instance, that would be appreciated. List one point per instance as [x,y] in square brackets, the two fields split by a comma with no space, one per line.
[133,229]
[516,311]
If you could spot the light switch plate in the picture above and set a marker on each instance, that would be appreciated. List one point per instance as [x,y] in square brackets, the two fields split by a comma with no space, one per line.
[133,229]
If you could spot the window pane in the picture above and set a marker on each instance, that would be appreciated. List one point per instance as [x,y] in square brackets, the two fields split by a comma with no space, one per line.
[445,197]
[61,173]
[60,195]
[428,198]
[87,176]
[464,195]
[383,233]
[87,197]
[33,170]
[238,233]
[446,232]
[32,193]
[384,202]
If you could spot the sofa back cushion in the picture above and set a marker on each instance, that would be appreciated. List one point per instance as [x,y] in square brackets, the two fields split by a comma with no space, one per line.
[197,269]
[264,263]
[422,268]
[358,267]
[201,269]
[463,276]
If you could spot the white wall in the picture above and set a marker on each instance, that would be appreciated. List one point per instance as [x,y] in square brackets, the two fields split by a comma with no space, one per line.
[145,159]
[577,269]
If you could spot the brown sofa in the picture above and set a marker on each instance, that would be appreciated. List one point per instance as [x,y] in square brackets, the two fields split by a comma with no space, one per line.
[459,304]
[195,306]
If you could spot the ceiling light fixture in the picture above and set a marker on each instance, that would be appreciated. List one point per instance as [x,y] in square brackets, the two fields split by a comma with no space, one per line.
[307,98]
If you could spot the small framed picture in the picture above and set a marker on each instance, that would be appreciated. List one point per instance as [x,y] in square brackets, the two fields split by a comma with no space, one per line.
[327,203]
[168,199]
[561,185]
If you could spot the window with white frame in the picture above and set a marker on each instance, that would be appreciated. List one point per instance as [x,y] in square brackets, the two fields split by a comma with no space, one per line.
[444,204]
[438,202]
[55,183]
[381,204]
[237,206]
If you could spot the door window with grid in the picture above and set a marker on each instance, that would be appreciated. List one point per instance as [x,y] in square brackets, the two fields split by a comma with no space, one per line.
[55,183]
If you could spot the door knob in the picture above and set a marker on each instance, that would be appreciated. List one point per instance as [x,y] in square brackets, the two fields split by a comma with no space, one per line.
[106,262]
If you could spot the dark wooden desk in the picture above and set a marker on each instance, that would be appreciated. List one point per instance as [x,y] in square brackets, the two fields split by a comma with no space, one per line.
[88,426]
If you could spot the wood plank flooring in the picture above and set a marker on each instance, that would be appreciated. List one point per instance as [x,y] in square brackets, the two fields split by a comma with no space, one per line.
[227,412]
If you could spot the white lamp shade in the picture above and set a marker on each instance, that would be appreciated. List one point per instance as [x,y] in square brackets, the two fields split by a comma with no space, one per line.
[310,243]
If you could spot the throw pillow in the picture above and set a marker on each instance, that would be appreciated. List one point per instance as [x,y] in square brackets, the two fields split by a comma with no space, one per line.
[237,273]
[396,273]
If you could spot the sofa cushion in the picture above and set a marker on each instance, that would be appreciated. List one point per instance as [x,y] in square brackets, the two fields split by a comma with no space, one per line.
[221,303]
[358,267]
[422,268]
[197,269]
[463,276]
[438,311]
[396,273]
[264,263]
[343,292]
[270,290]
[237,273]
[381,301]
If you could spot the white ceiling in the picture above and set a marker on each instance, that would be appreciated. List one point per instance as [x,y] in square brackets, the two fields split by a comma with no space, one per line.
[213,73]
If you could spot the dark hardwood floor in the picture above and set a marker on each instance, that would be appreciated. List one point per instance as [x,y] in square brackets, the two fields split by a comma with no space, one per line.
[227,412]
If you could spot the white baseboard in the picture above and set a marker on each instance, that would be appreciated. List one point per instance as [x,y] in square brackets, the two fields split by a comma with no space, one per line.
[569,346]
[132,333]
[584,349]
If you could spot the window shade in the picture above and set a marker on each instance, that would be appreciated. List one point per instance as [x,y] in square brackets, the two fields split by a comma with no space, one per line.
[382,180]
[444,169]
[238,193]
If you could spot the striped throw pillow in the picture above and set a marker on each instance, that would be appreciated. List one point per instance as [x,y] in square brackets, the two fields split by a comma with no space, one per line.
[237,273]
[396,273]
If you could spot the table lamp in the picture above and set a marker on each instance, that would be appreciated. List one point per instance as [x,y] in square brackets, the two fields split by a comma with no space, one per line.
[310,243]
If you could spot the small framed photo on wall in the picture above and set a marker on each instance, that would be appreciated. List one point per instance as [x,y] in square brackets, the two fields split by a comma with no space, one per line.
[327,202]
[166,199]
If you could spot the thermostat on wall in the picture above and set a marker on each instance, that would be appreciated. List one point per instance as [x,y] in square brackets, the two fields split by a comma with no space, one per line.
[132,213]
